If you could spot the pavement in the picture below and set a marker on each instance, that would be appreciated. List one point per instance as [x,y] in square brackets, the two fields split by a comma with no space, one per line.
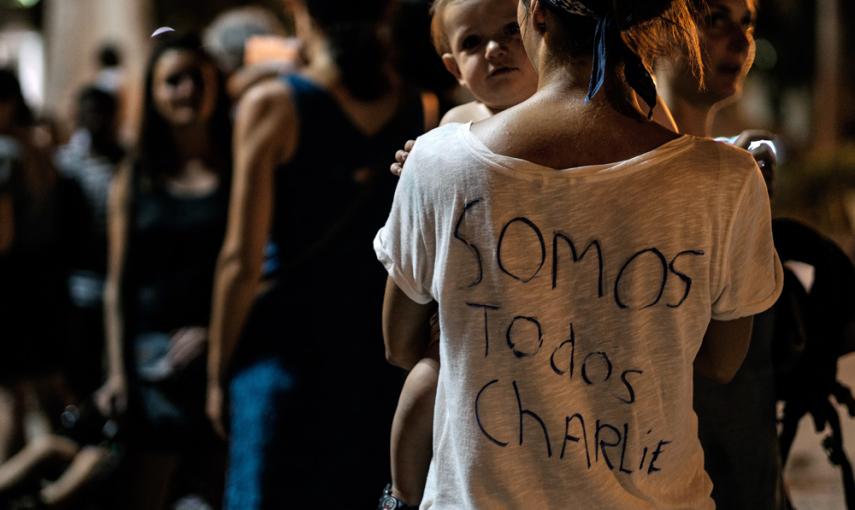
[815,484]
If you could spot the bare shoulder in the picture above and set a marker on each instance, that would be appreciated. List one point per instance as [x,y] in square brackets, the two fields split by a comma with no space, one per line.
[266,121]
[469,112]
[267,99]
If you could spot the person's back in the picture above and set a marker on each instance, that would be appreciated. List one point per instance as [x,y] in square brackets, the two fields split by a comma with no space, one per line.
[311,182]
[570,319]
[579,287]
[351,182]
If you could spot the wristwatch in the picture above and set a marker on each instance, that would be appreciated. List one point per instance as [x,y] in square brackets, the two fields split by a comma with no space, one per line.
[390,502]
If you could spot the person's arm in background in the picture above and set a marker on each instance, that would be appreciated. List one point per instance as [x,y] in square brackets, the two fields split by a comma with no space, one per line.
[112,397]
[723,349]
[264,136]
[7,222]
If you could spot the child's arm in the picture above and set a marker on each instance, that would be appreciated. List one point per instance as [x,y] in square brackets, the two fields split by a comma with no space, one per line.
[412,429]
[472,111]
[407,329]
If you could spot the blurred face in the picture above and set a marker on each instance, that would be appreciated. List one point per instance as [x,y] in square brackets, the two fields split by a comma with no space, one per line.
[727,41]
[487,56]
[184,89]
[97,118]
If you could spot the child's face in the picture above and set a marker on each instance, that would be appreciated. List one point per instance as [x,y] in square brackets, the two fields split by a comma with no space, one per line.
[487,56]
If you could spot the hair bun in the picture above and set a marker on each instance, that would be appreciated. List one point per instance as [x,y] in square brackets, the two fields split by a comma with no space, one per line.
[628,13]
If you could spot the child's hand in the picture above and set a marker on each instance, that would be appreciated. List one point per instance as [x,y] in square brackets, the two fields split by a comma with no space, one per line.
[401,158]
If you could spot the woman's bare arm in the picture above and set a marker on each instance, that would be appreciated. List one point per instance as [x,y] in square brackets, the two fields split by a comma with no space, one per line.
[724,348]
[112,397]
[264,136]
[7,222]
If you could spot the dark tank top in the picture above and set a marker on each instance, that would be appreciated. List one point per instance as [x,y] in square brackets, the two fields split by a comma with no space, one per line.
[174,242]
[330,200]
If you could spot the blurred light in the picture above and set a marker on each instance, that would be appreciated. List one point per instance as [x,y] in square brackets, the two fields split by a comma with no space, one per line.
[161,31]
[27,3]
[767,55]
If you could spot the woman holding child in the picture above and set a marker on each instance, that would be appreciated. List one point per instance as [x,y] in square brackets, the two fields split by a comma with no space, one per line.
[579,284]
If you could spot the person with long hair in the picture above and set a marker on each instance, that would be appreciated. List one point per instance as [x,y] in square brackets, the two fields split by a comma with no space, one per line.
[743,411]
[586,263]
[295,321]
[32,270]
[167,214]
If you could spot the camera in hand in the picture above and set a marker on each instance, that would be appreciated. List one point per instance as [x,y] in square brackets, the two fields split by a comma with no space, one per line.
[86,425]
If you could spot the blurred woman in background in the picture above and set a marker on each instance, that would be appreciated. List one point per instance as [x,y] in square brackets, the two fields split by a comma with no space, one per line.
[294,338]
[167,214]
[742,412]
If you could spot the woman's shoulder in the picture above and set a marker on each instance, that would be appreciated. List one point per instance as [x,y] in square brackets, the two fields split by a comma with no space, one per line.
[439,154]
[442,142]
[267,96]
[266,119]
[729,155]
[721,161]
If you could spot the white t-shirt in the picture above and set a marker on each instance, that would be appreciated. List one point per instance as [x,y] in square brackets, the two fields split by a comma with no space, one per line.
[572,304]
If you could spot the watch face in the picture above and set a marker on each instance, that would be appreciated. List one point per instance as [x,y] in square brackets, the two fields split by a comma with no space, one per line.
[389,503]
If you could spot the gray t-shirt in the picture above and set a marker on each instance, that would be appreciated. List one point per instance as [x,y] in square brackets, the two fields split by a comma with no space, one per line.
[572,304]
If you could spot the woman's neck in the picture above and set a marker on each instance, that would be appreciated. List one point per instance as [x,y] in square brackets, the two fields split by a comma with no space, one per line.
[323,69]
[568,86]
[693,117]
[192,142]
[560,76]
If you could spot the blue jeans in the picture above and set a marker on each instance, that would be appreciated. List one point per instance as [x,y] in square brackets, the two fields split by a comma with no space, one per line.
[258,398]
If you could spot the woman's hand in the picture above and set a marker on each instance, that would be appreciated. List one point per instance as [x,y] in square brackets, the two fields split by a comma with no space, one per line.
[186,345]
[761,145]
[401,158]
[112,398]
[214,408]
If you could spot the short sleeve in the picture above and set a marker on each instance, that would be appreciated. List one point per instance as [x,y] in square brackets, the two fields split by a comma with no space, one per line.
[405,244]
[752,277]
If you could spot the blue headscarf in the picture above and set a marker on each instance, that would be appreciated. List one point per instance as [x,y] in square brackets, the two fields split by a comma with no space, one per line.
[607,40]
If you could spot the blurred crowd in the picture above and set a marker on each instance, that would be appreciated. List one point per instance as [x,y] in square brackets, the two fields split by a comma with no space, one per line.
[108,251]
[191,319]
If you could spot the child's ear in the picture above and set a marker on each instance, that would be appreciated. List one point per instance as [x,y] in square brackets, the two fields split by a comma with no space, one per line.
[451,66]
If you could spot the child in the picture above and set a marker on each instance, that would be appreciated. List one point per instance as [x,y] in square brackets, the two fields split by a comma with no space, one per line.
[479,42]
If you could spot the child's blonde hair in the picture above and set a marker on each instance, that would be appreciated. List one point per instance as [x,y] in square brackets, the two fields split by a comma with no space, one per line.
[437,26]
